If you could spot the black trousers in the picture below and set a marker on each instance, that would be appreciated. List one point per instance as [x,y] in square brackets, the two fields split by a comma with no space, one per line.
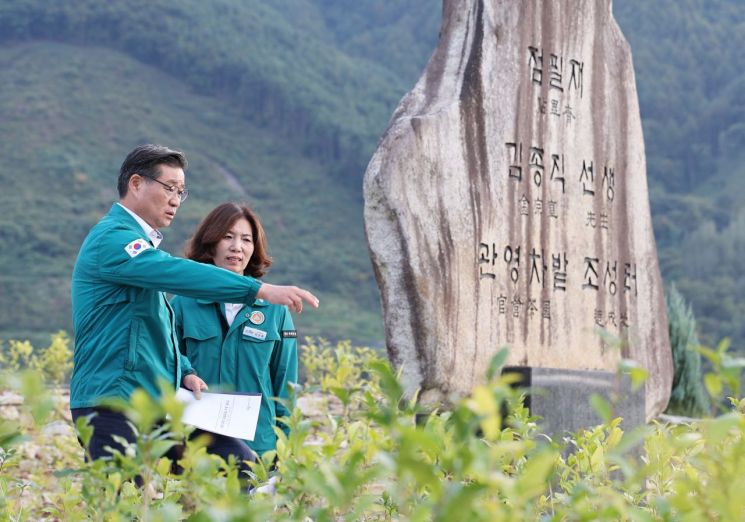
[107,422]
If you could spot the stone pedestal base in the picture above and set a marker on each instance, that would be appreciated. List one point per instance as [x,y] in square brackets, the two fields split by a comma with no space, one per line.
[561,398]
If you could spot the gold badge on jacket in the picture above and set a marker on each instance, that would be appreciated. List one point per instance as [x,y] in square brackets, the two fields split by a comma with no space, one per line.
[256,317]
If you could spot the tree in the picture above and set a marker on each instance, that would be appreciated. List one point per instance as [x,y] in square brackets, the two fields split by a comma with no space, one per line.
[688,396]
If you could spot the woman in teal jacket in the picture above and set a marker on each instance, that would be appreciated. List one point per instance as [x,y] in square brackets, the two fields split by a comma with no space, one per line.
[250,348]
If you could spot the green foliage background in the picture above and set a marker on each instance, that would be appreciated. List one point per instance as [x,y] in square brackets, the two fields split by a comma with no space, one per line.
[691,80]
[281,104]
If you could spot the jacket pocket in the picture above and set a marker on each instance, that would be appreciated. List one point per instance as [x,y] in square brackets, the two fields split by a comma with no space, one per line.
[199,332]
[202,345]
[122,295]
[256,351]
[134,337]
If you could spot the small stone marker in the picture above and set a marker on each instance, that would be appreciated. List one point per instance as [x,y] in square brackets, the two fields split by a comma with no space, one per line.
[507,204]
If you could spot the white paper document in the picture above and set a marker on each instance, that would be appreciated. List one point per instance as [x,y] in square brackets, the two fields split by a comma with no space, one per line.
[231,414]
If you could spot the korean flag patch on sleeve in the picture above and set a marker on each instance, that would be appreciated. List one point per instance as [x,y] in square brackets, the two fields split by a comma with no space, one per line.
[137,246]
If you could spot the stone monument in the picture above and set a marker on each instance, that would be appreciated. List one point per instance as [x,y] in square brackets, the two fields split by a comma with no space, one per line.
[507,205]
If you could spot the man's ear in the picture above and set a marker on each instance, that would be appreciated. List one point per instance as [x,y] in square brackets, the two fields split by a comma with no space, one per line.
[135,182]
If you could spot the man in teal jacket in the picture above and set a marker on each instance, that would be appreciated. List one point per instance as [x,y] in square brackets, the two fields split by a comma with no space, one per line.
[124,330]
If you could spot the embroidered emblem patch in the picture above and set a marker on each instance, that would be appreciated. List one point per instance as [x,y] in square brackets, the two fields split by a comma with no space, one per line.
[256,317]
[255,333]
[137,246]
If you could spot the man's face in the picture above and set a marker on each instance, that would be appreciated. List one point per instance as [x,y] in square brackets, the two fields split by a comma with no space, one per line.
[153,202]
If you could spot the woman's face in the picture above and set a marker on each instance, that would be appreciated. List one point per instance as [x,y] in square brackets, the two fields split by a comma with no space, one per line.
[234,250]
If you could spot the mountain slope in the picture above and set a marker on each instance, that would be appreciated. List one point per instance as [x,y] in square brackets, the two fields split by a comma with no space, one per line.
[691,80]
[281,103]
[69,114]
[258,94]
[269,60]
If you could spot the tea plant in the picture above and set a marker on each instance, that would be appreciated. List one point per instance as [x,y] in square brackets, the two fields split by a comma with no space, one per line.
[379,457]
[55,362]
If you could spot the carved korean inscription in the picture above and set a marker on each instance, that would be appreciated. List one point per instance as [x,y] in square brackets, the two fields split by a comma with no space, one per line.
[507,203]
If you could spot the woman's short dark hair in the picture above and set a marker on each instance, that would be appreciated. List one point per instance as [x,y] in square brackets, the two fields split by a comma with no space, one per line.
[201,247]
[146,160]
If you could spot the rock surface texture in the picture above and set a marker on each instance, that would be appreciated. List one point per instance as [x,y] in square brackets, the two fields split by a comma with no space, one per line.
[507,203]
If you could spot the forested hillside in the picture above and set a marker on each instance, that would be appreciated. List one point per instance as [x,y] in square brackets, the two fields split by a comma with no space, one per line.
[691,80]
[281,104]
[261,96]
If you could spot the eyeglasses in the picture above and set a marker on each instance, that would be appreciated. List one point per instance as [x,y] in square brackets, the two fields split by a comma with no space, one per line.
[171,190]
